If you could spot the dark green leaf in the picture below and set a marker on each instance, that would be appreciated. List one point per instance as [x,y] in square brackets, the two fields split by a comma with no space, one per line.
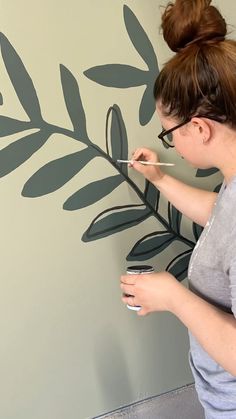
[118,135]
[56,173]
[73,102]
[21,80]
[217,188]
[197,231]
[140,39]
[92,193]
[179,266]
[21,150]
[176,218]
[152,195]
[151,245]
[10,126]
[117,75]
[147,106]
[114,220]
[206,172]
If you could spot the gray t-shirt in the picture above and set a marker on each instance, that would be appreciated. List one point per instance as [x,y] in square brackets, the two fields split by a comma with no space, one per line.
[212,275]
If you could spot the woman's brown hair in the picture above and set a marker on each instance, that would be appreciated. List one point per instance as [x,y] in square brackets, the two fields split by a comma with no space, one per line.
[201,77]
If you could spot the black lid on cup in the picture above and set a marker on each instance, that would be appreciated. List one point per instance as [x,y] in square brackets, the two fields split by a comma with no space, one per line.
[140,268]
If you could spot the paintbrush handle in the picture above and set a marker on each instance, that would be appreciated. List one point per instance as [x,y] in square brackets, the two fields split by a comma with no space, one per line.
[150,163]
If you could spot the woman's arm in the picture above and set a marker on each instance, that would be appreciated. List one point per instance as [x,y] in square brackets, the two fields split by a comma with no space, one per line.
[196,204]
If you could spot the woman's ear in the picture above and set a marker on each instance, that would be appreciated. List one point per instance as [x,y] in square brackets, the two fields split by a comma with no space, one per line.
[203,129]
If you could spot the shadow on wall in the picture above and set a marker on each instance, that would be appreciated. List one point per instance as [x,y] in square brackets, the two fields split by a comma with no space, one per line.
[112,369]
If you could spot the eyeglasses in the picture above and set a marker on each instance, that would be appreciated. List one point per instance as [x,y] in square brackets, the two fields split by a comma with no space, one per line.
[167,132]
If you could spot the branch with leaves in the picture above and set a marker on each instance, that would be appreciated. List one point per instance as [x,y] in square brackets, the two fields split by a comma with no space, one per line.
[56,173]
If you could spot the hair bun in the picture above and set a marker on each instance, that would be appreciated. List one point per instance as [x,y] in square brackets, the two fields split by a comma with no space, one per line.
[187,21]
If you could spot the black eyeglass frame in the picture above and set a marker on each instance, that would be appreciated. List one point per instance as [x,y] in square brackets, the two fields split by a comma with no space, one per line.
[165,132]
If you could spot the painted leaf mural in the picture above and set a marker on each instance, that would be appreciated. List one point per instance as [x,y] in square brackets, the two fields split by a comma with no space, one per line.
[179,265]
[140,39]
[152,195]
[21,150]
[92,193]
[33,133]
[206,172]
[118,136]
[197,230]
[11,126]
[175,218]
[21,80]
[123,76]
[57,173]
[114,220]
[73,102]
[151,245]
[117,75]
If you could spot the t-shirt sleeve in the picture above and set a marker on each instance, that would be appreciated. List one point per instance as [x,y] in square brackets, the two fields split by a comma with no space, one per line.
[232,285]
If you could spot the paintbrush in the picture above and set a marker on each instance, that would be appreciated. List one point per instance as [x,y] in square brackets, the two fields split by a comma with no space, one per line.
[150,163]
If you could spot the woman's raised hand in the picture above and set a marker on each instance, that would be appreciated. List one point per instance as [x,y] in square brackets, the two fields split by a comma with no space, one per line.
[151,173]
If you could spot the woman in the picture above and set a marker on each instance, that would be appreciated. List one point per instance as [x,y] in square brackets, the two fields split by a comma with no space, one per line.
[196,102]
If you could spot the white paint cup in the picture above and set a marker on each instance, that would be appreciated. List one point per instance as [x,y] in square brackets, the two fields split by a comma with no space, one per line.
[138,270]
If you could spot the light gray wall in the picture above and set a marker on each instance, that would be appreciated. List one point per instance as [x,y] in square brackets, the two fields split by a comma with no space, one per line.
[69,348]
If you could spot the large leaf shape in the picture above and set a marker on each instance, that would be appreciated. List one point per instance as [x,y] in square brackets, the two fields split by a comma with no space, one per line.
[21,80]
[206,172]
[175,218]
[9,126]
[56,173]
[152,195]
[114,220]
[73,102]
[92,193]
[179,265]
[117,75]
[147,106]
[217,188]
[151,245]
[140,39]
[118,135]
[21,150]
[197,231]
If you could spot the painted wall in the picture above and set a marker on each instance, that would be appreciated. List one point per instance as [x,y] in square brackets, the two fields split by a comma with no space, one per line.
[76,81]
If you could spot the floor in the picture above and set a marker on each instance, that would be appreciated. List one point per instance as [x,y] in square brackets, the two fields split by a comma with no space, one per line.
[178,404]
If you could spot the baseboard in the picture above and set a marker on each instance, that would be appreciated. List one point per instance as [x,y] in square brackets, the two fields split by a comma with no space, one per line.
[181,403]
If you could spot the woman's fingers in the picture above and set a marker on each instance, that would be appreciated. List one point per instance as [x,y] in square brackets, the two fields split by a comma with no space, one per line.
[127,289]
[144,154]
[128,279]
[140,167]
[131,301]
